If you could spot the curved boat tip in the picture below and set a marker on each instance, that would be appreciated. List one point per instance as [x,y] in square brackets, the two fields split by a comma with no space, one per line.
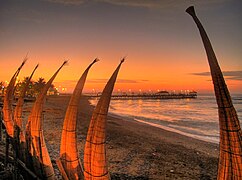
[36,66]
[93,62]
[20,67]
[190,10]
[96,60]
[65,63]
[123,59]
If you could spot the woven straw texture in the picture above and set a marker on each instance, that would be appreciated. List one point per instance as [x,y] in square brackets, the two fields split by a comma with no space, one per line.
[40,156]
[95,162]
[19,107]
[8,101]
[70,162]
[230,158]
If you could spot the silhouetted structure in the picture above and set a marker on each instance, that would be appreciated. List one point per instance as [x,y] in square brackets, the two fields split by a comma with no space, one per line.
[8,101]
[39,155]
[19,110]
[69,161]
[230,160]
[95,162]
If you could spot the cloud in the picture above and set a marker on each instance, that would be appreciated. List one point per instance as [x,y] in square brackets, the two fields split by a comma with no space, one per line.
[134,3]
[233,75]
[229,75]
[68,2]
[158,4]
[138,3]
[142,3]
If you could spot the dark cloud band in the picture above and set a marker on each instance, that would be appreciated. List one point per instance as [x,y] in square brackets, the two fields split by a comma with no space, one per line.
[229,75]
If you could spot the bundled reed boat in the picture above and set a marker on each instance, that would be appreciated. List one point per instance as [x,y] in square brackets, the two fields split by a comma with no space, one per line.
[38,156]
[8,102]
[230,153]
[69,162]
[19,107]
[18,121]
[95,161]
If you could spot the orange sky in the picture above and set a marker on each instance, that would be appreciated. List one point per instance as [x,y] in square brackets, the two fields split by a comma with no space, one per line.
[163,47]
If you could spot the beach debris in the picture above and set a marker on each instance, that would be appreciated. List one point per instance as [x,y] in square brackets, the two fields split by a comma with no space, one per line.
[69,161]
[95,162]
[230,151]
[8,102]
[40,159]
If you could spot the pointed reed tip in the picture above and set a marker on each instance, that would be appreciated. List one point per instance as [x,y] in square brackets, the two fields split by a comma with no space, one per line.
[65,62]
[190,10]
[22,64]
[96,60]
[24,61]
[122,60]
[37,66]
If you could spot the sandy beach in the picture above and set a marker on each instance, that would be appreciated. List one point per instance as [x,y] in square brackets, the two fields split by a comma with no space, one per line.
[134,150]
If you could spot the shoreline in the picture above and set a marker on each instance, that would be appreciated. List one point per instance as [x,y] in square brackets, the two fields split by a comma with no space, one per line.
[155,123]
[166,128]
[134,150]
[178,137]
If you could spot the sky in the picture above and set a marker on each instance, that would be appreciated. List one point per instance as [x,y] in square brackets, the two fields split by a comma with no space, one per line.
[161,42]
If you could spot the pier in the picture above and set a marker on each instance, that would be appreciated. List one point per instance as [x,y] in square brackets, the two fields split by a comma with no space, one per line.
[125,96]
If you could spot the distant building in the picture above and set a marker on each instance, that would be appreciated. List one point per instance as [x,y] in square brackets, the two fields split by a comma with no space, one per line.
[193,93]
[163,93]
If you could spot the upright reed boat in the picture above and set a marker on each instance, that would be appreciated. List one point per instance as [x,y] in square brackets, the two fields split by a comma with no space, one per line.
[95,162]
[8,103]
[19,107]
[18,121]
[69,162]
[230,158]
[35,139]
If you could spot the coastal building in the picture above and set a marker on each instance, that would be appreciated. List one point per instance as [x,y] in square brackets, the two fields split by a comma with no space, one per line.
[163,93]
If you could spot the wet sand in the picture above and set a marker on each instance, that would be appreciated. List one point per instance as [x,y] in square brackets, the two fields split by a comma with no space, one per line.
[134,150]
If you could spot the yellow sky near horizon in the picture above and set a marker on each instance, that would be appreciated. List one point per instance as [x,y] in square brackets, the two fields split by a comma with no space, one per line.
[135,76]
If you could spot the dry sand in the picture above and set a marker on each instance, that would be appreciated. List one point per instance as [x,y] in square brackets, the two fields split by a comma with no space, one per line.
[134,150]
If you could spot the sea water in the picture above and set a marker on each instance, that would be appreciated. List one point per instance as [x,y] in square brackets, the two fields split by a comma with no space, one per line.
[197,118]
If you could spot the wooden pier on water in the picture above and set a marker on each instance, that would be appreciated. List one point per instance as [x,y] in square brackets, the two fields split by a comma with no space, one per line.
[147,96]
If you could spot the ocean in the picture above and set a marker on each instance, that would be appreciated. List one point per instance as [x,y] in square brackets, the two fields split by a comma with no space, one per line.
[197,118]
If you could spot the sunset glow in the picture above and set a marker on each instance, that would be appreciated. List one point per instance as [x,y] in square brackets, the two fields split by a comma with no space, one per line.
[162,46]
